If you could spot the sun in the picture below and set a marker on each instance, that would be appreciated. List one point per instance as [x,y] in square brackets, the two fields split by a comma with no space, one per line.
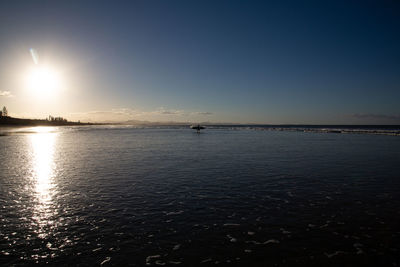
[43,81]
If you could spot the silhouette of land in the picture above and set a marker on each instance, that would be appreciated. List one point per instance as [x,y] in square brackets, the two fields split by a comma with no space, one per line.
[10,121]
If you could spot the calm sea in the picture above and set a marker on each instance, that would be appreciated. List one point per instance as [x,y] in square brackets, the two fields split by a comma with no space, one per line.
[168,196]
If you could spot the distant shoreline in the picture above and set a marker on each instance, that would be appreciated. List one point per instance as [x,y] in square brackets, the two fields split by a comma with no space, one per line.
[10,121]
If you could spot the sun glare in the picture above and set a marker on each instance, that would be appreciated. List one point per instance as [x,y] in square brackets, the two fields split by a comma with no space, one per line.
[43,148]
[43,81]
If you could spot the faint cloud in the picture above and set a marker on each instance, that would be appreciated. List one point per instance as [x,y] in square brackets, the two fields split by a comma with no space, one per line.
[376,116]
[6,94]
[114,114]
[168,112]
[162,111]
[125,111]
[124,114]
[206,113]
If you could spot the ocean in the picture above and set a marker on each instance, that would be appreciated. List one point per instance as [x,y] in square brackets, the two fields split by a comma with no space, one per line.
[237,196]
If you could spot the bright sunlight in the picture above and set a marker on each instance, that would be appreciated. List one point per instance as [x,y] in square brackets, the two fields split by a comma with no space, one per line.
[43,81]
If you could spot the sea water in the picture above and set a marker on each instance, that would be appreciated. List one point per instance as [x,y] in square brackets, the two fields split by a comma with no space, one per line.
[116,195]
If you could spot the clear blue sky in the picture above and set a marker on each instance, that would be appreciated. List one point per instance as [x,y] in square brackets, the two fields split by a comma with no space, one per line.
[222,61]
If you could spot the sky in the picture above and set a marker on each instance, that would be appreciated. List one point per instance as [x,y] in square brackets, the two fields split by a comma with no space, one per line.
[272,62]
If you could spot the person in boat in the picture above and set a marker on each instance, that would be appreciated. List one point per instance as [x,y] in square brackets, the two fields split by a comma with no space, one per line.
[197,127]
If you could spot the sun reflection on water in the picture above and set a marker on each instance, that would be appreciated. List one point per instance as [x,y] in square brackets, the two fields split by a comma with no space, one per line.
[43,170]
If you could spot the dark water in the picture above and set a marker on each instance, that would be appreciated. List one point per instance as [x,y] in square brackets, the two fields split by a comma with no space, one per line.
[126,196]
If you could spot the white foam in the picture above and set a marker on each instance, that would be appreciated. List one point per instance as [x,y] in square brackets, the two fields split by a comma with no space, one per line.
[334,254]
[270,241]
[105,261]
[175,262]
[150,258]
[231,224]
[175,212]
[231,238]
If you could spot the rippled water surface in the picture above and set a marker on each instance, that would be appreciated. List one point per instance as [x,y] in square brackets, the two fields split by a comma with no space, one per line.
[169,196]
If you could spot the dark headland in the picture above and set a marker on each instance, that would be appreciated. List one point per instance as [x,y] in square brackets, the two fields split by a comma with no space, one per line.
[10,121]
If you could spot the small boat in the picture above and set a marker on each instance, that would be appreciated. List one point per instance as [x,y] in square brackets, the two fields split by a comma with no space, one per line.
[197,127]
